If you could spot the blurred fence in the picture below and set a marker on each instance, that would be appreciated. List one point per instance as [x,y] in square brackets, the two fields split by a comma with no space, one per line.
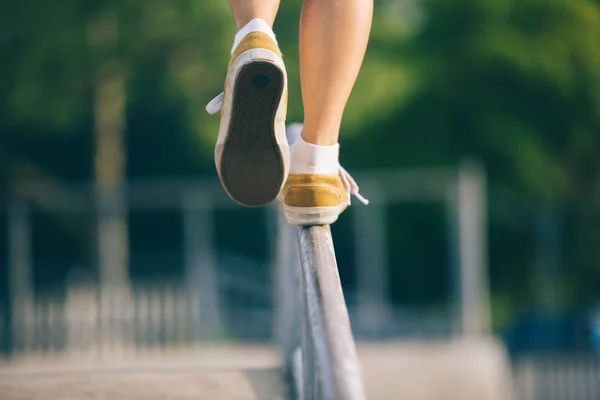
[163,315]
[558,377]
[85,319]
[221,282]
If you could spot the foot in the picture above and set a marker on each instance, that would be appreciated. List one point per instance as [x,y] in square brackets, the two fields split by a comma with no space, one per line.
[318,189]
[252,154]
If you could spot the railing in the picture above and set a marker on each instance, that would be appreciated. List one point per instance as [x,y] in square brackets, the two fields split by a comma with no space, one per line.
[147,317]
[314,334]
[330,368]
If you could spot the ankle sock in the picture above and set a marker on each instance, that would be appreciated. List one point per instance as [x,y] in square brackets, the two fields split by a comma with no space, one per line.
[308,158]
[256,25]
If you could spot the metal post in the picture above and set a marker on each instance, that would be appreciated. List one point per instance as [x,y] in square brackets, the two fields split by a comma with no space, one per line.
[20,284]
[548,257]
[472,236]
[113,262]
[200,261]
[456,319]
[113,240]
[370,243]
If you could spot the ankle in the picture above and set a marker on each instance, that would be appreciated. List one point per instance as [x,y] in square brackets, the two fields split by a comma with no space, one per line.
[310,158]
[321,137]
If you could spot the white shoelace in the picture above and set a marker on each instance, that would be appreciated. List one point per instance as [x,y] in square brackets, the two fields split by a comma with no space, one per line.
[351,186]
[215,105]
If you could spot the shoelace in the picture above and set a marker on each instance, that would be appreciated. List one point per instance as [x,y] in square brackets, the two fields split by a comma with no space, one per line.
[215,105]
[351,186]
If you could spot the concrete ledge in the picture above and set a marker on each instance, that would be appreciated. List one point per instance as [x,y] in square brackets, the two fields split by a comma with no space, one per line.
[461,370]
[471,370]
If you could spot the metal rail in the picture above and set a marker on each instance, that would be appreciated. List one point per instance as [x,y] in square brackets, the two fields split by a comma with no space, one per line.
[330,368]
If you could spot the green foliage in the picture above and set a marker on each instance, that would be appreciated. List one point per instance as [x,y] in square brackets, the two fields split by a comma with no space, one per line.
[518,83]
[514,83]
[52,53]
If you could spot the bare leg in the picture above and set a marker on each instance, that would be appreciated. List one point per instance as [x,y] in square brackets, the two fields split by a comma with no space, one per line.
[333,41]
[246,10]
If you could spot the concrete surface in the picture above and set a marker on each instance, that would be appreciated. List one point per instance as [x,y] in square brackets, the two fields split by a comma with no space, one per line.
[165,385]
[394,370]
[228,373]
[476,370]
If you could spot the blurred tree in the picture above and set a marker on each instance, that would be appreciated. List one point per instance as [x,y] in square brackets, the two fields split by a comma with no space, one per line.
[70,59]
[517,84]
[50,64]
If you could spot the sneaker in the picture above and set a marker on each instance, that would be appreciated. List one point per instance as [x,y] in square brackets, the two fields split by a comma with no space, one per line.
[317,199]
[251,153]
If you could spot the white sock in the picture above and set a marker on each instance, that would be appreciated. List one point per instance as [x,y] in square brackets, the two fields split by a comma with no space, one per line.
[256,25]
[308,158]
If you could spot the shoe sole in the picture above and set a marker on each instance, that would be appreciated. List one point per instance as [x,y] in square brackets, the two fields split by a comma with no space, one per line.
[252,166]
[309,216]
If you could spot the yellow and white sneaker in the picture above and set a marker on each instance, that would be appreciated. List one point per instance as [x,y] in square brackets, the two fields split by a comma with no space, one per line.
[251,153]
[313,198]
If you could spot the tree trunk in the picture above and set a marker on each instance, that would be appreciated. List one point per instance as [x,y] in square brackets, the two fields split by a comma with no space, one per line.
[109,166]
[109,109]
